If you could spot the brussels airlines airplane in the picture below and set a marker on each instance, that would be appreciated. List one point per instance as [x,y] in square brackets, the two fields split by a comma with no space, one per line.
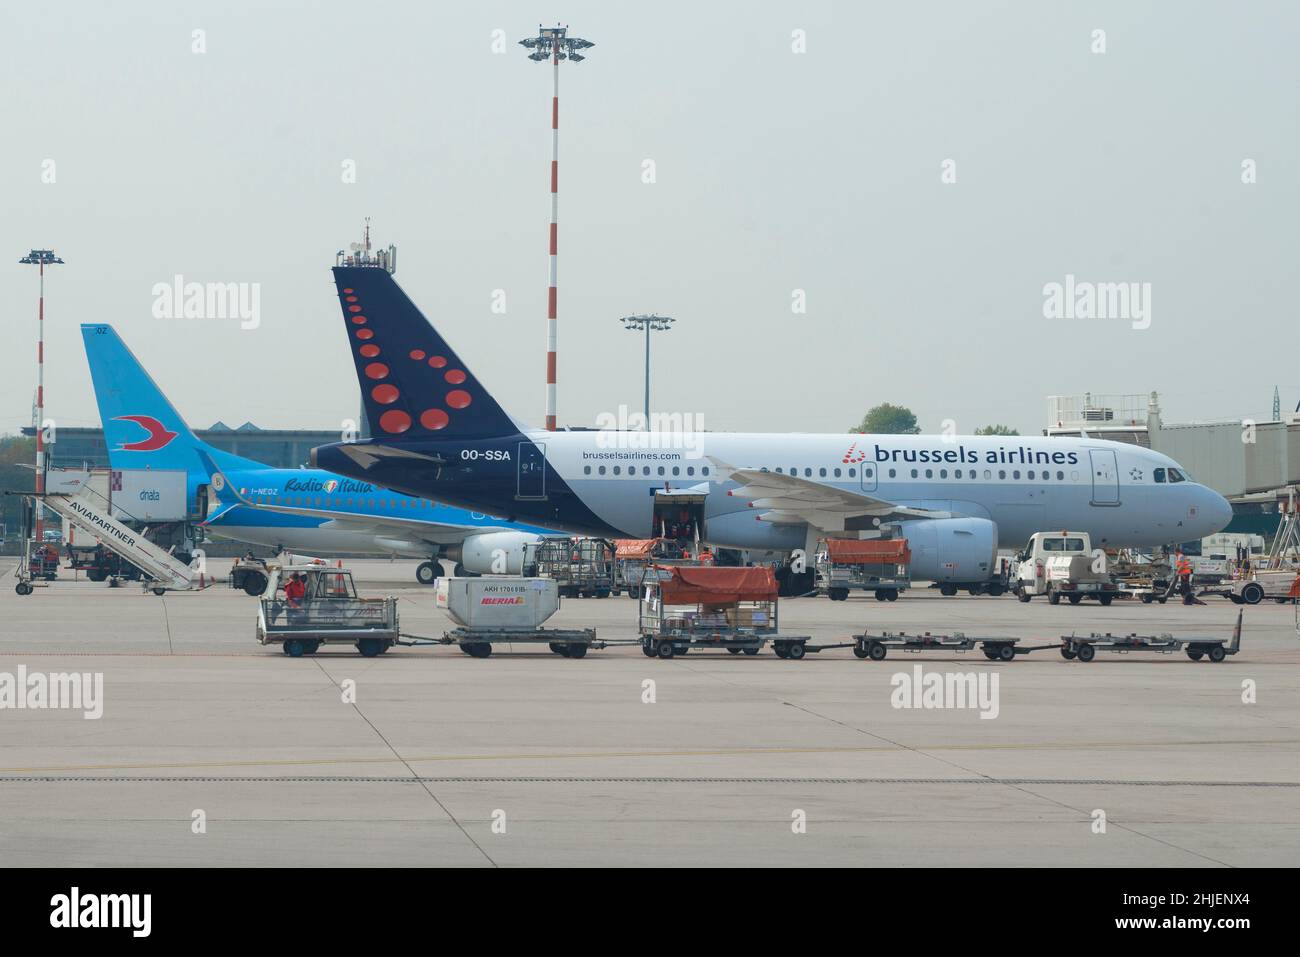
[438,432]
[333,513]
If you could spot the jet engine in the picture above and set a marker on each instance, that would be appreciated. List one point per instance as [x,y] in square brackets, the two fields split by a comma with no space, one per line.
[952,549]
[492,553]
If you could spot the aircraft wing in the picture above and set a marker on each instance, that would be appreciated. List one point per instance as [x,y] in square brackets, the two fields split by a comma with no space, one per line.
[790,500]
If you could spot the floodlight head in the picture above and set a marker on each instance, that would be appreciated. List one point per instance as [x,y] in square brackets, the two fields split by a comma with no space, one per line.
[41,257]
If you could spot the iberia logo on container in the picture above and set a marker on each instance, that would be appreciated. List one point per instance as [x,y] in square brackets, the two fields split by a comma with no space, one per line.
[513,600]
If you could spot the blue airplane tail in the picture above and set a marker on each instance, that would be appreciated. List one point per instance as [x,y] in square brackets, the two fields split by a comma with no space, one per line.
[412,382]
[142,430]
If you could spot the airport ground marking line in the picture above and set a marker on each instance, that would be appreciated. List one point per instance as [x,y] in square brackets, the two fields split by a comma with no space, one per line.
[427,790]
[586,755]
[1023,789]
[167,623]
[624,779]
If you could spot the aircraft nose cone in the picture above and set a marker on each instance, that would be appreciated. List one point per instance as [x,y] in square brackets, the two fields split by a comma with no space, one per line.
[1216,510]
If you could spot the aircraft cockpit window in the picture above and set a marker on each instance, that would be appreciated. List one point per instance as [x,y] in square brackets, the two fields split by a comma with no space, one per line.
[1176,476]
[1159,476]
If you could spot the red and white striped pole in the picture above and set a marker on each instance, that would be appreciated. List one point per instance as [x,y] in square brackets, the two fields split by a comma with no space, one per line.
[40,411]
[555,44]
[40,258]
[551,294]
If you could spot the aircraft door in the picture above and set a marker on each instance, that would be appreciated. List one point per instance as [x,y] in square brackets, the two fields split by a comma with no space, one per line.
[1105,477]
[531,471]
[869,477]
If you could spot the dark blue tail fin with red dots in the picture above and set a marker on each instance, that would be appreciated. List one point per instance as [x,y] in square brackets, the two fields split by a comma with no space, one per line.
[413,384]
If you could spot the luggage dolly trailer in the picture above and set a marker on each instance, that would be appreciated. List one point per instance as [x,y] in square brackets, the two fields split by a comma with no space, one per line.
[876,647]
[478,642]
[329,613]
[879,565]
[1216,649]
[713,607]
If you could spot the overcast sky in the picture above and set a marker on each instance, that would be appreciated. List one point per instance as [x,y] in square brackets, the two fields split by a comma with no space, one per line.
[775,171]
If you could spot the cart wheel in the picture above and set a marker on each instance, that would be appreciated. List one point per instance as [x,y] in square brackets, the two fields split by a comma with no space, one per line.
[876,651]
[1162,599]
[990,655]
[311,647]
[1053,598]
[254,584]
[1195,654]
[647,649]
[891,594]
[369,647]
[294,647]
[1105,600]
[23,588]
[1086,652]
[733,651]
[947,590]
[482,649]
[1067,654]
[1146,599]
[780,649]
[1023,595]
[1252,593]
[751,651]
[1075,599]
[665,649]
[577,650]
[859,650]
[1006,652]
[1217,653]
[796,651]
[159,591]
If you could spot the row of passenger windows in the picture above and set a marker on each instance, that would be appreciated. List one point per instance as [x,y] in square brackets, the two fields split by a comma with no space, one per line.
[321,501]
[1033,475]
[645,470]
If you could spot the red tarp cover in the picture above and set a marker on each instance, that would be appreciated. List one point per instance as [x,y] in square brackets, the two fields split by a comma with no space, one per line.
[852,551]
[1295,589]
[720,586]
[634,547]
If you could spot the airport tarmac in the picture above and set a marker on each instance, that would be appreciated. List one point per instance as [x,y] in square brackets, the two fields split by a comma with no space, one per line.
[527,758]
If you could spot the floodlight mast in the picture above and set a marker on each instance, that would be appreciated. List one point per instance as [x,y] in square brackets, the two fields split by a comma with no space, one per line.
[554,44]
[647,323]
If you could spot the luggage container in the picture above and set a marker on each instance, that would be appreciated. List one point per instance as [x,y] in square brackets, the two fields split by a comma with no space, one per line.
[510,610]
[880,565]
[707,607]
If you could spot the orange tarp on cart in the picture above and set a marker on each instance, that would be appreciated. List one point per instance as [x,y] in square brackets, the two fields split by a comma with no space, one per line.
[719,586]
[634,547]
[852,551]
